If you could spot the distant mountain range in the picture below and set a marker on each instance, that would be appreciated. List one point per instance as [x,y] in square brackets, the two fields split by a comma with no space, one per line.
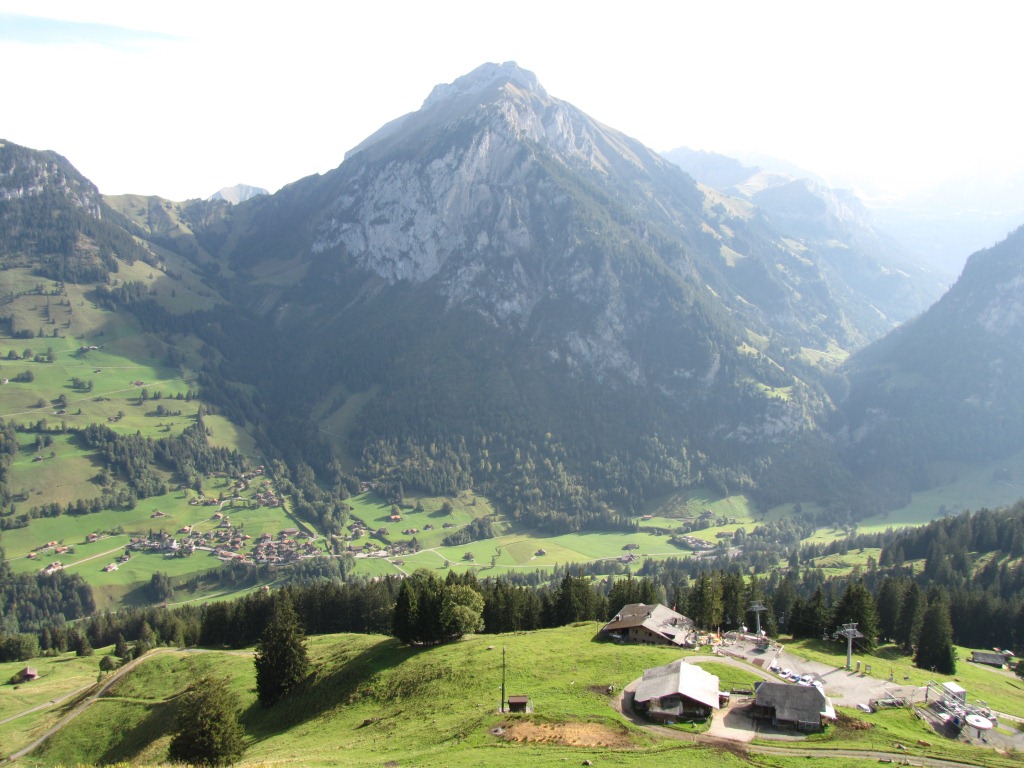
[498,291]
[237,194]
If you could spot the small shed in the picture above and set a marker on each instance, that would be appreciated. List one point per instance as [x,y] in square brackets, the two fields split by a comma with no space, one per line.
[518,703]
[27,674]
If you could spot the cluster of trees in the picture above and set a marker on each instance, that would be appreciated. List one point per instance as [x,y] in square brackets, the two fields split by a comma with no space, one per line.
[31,602]
[134,457]
[477,529]
[429,610]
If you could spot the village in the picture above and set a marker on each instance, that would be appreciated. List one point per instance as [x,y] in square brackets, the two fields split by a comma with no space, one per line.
[221,535]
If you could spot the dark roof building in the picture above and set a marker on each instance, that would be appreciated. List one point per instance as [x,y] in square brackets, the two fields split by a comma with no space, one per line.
[804,707]
[653,624]
[990,658]
[676,691]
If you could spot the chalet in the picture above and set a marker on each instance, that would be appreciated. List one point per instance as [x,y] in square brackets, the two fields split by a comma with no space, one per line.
[158,513]
[676,691]
[653,624]
[27,674]
[110,567]
[997,659]
[92,537]
[287,532]
[804,707]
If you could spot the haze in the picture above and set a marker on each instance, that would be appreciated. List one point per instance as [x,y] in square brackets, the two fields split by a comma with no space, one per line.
[182,99]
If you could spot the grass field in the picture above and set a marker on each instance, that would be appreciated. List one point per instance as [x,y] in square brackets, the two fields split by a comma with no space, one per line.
[125,585]
[58,677]
[515,550]
[371,702]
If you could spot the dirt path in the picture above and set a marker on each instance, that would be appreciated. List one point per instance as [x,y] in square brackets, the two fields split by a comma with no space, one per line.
[99,690]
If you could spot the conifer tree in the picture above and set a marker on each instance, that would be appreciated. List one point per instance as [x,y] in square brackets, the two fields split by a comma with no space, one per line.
[405,624]
[935,644]
[207,731]
[281,658]
[857,606]
[908,625]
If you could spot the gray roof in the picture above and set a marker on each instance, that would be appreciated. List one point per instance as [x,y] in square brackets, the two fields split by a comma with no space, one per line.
[794,703]
[988,657]
[659,619]
[678,678]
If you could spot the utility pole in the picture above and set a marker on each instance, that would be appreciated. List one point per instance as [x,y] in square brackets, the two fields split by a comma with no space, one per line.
[503,679]
[851,633]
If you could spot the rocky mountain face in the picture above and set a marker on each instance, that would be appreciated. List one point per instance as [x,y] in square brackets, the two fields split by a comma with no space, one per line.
[877,281]
[499,265]
[949,384]
[55,218]
[498,291]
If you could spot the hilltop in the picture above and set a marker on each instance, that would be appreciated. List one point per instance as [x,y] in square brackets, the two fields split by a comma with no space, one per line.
[371,702]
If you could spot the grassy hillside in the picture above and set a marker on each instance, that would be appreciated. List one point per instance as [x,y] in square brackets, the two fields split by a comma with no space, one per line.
[371,702]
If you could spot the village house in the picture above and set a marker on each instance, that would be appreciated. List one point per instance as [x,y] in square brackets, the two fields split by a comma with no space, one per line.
[677,691]
[651,624]
[804,707]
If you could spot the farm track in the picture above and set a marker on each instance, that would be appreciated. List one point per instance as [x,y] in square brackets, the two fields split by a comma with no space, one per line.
[100,690]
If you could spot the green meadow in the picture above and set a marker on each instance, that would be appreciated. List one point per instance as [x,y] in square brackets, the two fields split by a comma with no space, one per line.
[370,701]
[59,676]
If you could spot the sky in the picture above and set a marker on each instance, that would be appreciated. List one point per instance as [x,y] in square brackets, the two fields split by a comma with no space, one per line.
[180,99]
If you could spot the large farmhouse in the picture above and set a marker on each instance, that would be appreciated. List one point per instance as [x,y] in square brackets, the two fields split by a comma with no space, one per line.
[653,624]
[676,691]
[804,707]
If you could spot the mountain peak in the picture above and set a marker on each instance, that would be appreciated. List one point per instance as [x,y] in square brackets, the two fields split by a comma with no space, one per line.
[238,193]
[484,78]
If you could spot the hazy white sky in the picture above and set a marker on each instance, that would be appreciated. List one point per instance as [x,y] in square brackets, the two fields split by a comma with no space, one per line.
[179,99]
